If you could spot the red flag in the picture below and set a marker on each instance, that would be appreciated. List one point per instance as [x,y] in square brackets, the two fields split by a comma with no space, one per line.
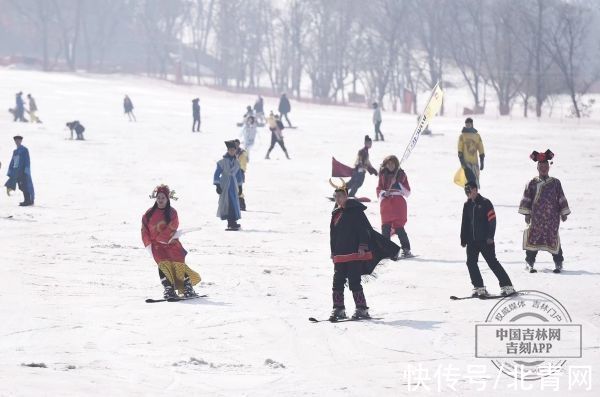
[340,170]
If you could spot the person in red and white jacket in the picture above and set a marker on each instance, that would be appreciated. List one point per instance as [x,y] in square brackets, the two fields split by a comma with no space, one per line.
[392,189]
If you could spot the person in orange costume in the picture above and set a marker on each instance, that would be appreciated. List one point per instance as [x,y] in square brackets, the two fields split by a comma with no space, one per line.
[159,234]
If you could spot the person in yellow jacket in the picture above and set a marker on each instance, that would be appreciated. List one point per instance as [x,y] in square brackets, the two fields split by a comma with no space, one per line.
[243,158]
[470,151]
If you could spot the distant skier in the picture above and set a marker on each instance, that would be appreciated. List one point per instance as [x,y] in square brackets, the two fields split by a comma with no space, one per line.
[242,156]
[249,133]
[128,107]
[196,114]
[159,225]
[228,181]
[361,165]
[377,121]
[477,235]
[33,109]
[19,173]
[392,189]
[544,205]
[19,111]
[259,110]
[469,146]
[276,127]
[77,127]
[356,249]
[284,108]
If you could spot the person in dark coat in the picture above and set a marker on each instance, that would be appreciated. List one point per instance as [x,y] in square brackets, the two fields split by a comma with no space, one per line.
[196,114]
[128,107]
[19,173]
[77,127]
[477,235]
[19,113]
[284,108]
[356,249]
[259,110]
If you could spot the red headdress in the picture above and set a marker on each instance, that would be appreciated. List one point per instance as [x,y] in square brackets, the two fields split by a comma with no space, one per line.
[541,157]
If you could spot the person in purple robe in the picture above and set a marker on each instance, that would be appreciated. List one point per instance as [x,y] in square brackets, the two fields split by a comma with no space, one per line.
[544,205]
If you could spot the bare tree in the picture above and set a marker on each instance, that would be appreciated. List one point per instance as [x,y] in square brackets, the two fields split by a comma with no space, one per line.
[567,45]
[466,46]
[503,53]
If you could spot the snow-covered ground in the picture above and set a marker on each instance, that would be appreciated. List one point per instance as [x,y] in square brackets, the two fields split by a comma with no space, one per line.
[74,274]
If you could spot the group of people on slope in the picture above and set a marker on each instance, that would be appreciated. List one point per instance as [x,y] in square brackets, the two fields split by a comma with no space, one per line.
[19,110]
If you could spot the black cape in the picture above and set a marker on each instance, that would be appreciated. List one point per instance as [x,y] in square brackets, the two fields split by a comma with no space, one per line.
[381,248]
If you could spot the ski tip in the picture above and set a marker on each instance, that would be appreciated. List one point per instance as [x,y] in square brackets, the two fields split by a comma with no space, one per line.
[314,320]
[454,298]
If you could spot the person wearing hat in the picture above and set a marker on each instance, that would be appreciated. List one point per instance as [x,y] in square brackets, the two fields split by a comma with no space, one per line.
[242,156]
[477,235]
[377,121]
[19,173]
[392,189]
[471,152]
[196,114]
[228,181]
[356,249]
[544,205]
[159,228]
[361,165]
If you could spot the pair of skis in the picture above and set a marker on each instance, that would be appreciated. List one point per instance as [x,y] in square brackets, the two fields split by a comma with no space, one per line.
[179,299]
[483,297]
[345,320]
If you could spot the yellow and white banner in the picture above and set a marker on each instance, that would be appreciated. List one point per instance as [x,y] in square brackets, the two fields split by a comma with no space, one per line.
[434,104]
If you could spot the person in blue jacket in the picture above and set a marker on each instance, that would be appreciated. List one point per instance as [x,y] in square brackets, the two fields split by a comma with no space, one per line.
[19,173]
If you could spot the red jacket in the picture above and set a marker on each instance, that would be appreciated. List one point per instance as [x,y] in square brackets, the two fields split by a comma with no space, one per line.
[391,192]
[156,232]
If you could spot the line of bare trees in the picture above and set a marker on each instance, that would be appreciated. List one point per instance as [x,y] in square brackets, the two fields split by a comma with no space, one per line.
[522,51]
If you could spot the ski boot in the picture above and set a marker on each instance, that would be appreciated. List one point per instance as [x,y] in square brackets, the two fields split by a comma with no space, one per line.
[558,267]
[406,254]
[188,291]
[338,313]
[479,292]
[507,290]
[170,293]
[361,313]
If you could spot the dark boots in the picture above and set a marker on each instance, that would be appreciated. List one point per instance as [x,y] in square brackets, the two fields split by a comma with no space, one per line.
[169,290]
[362,311]
[339,311]
[188,291]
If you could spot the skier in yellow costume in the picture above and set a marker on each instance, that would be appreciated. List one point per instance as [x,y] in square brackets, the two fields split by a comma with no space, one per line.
[470,151]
